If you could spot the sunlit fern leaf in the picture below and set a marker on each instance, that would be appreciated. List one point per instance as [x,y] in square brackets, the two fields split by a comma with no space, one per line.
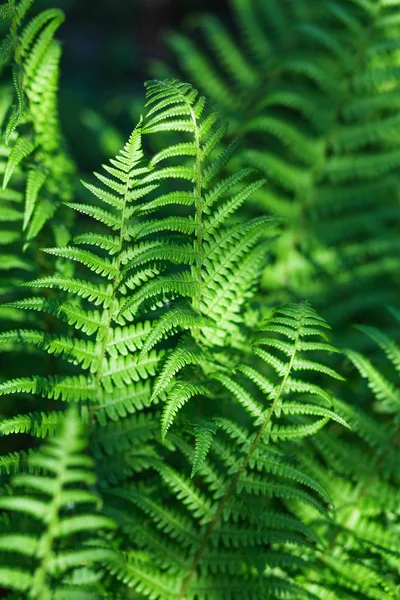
[156,330]
[360,472]
[213,200]
[21,150]
[292,331]
[204,435]
[103,356]
[180,393]
[179,317]
[184,354]
[240,472]
[68,388]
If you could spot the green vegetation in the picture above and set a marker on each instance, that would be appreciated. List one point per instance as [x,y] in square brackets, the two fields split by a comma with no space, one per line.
[178,421]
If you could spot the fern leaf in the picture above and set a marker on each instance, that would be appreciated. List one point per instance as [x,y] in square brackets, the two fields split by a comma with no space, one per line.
[182,356]
[181,393]
[35,182]
[204,435]
[98,294]
[105,196]
[181,284]
[37,424]
[6,48]
[128,339]
[390,348]
[21,150]
[16,579]
[54,19]
[221,214]
[123,370]
[179,317]
[185,491]
[242,396]
[101,215]
[380,385]
[7,11]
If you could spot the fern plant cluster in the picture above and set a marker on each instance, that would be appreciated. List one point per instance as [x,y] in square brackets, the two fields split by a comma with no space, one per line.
[312,92]
[175,423]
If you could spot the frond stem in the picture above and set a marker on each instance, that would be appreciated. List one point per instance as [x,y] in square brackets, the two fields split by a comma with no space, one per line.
[115,285]
[198,243]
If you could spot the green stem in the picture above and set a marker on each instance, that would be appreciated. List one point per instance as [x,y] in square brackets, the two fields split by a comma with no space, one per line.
[106,329]
[198,242]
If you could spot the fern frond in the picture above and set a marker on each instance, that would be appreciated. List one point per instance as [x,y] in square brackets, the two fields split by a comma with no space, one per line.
[40,425]
[180,393]
[180,357]
[46,499]
[204,434]
[384,390]
[70,389]
[285,121]
[98,294]
[21,150]
[32,124]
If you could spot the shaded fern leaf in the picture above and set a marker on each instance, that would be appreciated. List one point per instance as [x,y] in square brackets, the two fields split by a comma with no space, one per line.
[43,503]
[204,435]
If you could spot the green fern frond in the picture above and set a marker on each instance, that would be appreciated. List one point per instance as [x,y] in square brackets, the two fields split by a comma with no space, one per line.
[308,134]
[32,124]
[204,434]
[163,329]
[179,358]
[384,390]
[21,150]
[40,425]
[180,393]
[45,500]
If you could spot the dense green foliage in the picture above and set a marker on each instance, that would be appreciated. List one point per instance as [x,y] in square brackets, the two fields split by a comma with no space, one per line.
[312,90]
[176,422]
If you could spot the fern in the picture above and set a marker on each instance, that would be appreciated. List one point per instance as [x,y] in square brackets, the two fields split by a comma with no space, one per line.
[134,280]
[53,514]
[15,266]
[224,498]
[311,91]
[360,555]
[157,316]
[32,127]
[35,166]
[227,457]
[105,356]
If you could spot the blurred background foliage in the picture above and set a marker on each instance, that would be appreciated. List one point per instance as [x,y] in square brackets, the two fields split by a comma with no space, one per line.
[108,48]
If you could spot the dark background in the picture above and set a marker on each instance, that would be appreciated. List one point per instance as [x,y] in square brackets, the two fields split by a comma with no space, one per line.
[108,49]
